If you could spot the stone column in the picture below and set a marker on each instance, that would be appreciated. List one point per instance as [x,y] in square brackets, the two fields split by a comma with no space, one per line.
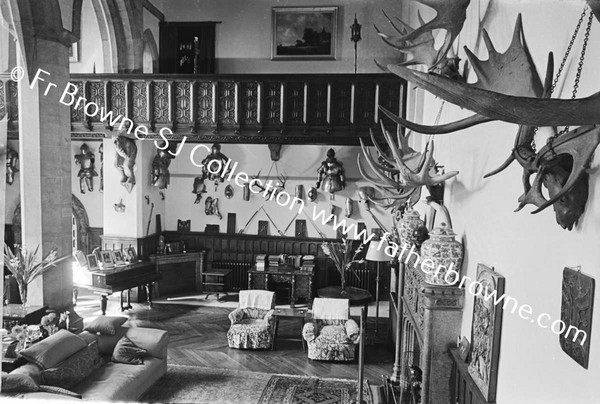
[442,319]
[45,167]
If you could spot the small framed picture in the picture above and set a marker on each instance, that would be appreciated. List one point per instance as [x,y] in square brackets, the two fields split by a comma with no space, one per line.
[131,255]
[92,262]
[80,257]
[106,259]
[118,257]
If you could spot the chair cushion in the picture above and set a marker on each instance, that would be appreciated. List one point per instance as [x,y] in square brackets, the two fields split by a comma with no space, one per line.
[250,333]
[21,383]
[75,369]
[56,348]
[128,352]
[333,334]
[106,325]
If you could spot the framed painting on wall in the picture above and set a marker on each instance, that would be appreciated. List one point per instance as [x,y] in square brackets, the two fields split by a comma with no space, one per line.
[485,333]
[307,33]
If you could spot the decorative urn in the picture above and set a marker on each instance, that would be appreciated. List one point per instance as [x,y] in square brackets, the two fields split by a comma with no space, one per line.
[409,223]
[445,252]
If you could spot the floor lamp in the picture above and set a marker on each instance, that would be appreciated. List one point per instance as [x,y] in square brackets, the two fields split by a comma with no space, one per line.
[377,254]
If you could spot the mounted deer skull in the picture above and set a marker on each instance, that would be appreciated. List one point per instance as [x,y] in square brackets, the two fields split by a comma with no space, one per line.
[509,89]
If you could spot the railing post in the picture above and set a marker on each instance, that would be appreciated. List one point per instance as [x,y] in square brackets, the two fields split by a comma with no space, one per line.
[361,357]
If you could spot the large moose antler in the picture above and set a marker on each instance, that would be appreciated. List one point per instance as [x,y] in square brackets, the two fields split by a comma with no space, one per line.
[509,89]
[451,15]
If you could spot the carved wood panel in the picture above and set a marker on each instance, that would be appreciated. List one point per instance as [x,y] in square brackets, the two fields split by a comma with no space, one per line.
[576,311]
[390,96]
[139,100]
[2,100]
[160,101]
[294,103]
[97,94]
[13,101]
[365,104]
[249,104]
[227,103]
[118,101]
[204,114]
[272,103]
[182,102]
[77,114]
[317,101]
[341,94]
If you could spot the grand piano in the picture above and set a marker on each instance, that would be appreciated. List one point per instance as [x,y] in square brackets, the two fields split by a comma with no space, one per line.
[118,279]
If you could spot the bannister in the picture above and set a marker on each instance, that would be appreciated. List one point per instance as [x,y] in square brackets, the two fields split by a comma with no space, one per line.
[286,109]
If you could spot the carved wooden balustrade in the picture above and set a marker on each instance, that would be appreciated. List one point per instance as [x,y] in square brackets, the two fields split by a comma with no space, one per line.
[285,109]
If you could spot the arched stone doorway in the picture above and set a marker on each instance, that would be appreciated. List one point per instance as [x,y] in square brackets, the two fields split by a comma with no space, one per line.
[81,220]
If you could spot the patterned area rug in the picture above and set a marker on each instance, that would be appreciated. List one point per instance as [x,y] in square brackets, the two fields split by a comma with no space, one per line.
[310,390]
[193,384]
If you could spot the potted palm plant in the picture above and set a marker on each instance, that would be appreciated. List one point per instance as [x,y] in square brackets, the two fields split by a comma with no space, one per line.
[25,265]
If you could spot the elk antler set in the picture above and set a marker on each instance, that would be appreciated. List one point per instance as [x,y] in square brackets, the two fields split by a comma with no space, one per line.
[509,89]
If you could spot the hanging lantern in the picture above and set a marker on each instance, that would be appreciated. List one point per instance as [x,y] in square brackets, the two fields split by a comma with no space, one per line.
[355,37]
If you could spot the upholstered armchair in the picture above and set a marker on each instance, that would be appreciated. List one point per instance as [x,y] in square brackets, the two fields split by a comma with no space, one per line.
[331,335]
[252,323]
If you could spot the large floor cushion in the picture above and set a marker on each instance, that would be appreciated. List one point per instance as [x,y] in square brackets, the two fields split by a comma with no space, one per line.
[250,333]
[121,382]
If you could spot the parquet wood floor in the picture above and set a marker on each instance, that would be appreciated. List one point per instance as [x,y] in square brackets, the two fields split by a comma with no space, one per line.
[199,338]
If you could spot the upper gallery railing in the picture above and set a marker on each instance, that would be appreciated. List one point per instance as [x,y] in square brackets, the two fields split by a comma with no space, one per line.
[288,109]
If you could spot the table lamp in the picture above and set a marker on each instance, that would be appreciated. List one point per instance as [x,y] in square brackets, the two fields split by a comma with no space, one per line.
[377,254]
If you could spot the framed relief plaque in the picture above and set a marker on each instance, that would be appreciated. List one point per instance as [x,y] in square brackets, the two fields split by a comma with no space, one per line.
[485,333]
[576,314]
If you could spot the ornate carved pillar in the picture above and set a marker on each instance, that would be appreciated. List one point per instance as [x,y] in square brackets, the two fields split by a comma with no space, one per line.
[442,319]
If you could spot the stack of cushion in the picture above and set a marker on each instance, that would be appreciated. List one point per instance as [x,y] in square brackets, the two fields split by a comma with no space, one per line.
[63,360]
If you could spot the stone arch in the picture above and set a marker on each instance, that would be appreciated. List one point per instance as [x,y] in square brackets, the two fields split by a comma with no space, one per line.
[121,25]
[150,54]
[81,218]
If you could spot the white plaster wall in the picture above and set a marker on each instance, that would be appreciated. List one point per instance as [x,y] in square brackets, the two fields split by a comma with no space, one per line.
[91,55]
[300,162]
[243,43]
[529,250]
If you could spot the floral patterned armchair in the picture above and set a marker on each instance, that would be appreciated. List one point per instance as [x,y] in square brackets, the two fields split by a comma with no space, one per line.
[252,323]
[331,335]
